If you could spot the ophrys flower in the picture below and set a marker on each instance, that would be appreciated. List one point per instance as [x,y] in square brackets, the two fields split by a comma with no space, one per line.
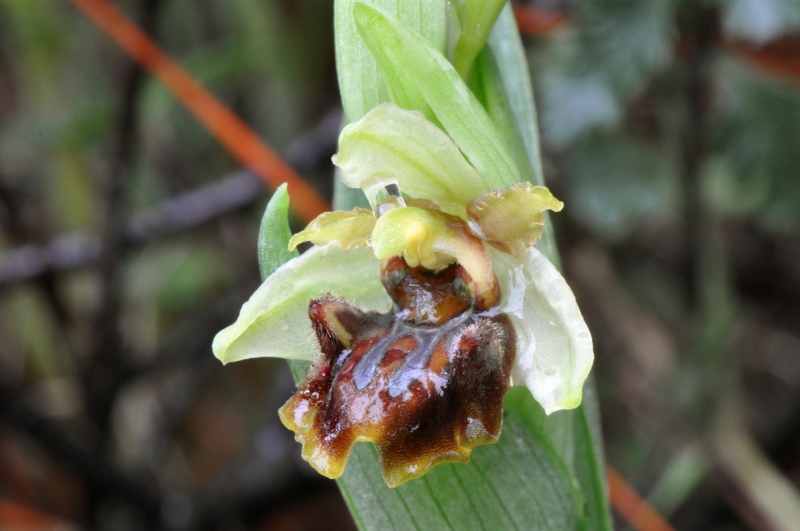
[474,307]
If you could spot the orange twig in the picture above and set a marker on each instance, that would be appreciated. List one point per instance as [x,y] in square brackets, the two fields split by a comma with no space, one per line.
[17,516]
[781,57]
[537,22]
[632,507]
[242,143]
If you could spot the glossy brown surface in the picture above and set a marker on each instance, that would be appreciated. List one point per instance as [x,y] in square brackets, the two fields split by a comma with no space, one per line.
[425,383]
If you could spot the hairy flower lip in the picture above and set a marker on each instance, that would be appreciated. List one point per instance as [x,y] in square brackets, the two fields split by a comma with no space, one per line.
[423,393]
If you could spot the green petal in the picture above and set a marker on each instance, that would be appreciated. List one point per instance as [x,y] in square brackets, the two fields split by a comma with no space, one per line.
[511,218]
[403,145]
[554,346]
[406,58]
[360,82]
[349,228]
[274,322]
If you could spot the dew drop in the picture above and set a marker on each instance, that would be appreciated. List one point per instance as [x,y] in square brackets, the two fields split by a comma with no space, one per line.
[383,194]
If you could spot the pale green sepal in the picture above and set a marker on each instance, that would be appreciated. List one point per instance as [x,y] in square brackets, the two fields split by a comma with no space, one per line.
[360,82]
[403,145]
[460,114]
[274,322]
[476,18]
[554,346]
[274,234]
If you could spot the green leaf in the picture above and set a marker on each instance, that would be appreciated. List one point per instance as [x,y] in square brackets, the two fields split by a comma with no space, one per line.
[513,80]
[274,234]
[476,18]
[518,483]
[577,436]
[268,323]
[485,84]
[460,114]
[360,82]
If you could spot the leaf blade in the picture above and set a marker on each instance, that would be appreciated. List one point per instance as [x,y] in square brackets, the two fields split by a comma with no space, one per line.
[517,463]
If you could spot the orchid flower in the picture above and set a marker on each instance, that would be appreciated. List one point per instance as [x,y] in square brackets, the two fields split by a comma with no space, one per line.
[420,312]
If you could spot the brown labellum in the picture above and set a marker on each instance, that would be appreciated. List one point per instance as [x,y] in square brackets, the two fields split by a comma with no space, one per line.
[424,383]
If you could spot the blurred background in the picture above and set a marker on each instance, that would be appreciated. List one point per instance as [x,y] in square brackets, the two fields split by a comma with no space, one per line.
[671,130]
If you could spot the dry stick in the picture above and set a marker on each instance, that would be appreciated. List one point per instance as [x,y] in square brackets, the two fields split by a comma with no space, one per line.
[537,22]
[780,58]
[104,372]
[631,506]
[185,211]
[15,515]
[229,129]
[92,466]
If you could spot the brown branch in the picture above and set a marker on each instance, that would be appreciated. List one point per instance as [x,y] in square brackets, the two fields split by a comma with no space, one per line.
[103,373]
[186,211]
[98,473]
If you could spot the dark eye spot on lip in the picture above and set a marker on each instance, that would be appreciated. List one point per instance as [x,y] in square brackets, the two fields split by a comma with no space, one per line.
[395,278]
[460,288]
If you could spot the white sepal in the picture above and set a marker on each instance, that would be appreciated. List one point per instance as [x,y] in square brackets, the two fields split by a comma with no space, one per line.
[554,346]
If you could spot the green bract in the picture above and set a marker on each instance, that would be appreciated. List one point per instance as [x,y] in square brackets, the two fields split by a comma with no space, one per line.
[358,71]
[475,19]
[417,67]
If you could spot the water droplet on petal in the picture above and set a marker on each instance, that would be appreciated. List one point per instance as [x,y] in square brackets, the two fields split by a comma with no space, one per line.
[383,194]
